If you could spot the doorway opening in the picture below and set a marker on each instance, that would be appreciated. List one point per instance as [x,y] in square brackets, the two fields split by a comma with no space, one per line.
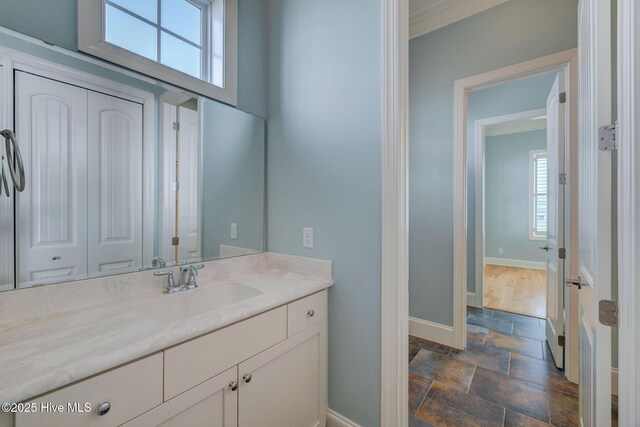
[530,94]
[513,189]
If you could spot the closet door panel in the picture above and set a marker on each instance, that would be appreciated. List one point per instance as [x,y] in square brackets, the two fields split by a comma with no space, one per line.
[51,126]
[115,184]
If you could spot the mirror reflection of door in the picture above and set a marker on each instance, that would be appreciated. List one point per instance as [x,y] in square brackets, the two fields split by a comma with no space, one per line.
[180,241]
[80,214]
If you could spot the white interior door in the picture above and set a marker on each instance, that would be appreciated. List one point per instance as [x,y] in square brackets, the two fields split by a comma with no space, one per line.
[188,176]
[115,184]
[594,230]
[51,125]
[555,220]
[169,185]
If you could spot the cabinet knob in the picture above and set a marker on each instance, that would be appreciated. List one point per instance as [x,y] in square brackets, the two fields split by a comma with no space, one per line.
[233,385]
[56,258]
[246,378]
[103,408]
[311,313]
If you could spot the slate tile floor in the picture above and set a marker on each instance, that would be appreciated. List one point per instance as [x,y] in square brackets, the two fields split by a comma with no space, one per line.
[505,377]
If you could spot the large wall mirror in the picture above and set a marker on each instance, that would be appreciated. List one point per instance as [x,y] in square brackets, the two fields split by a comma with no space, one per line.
[116,172]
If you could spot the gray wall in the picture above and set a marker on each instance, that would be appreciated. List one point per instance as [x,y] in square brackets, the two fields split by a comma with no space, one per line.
[507,196]
[55,21]
[232,179]
[324,171]
[507,98]
[513,32]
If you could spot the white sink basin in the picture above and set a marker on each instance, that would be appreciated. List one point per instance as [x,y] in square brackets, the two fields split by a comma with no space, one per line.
[182,305]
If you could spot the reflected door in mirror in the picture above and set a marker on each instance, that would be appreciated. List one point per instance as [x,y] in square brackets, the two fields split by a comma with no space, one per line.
[80,212]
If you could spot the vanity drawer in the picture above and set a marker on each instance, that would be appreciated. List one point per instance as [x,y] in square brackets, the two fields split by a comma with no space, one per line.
[306,312]
[130,390]
[189,364]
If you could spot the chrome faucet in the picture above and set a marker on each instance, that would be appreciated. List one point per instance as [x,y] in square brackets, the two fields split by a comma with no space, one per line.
[190,272]
[186,280]
[171,286]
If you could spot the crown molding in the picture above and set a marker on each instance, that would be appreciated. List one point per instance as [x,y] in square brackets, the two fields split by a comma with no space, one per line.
[436,14]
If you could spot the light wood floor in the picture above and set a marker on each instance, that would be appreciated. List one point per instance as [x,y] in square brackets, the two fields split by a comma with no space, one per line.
[514,289]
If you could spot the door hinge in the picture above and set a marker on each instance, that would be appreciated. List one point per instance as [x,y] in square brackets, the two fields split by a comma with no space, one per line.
[562,253]
[175,186]
[562,178]
[563,97]
[175,241]
[608,137]
[176,126]
[608,313]
[560,340]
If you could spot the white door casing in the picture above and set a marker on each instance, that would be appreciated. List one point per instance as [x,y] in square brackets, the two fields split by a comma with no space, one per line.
[628,138]
[555,219]
[51,123]
[594,229]
[115,184]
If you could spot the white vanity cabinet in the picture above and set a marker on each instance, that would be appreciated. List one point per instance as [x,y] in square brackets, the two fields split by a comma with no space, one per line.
[269,370]
[285,386]
[214,403]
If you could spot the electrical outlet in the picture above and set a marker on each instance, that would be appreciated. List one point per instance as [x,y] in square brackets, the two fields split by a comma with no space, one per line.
[500,251]
[307,237]
[234,230]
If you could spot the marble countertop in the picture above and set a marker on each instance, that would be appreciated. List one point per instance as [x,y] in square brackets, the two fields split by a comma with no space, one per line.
[42,353]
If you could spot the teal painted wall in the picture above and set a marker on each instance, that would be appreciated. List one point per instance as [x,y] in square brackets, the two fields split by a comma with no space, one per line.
[513,32]
[507,195]
[55,21]
[233,178]
[324,171]
[511,97]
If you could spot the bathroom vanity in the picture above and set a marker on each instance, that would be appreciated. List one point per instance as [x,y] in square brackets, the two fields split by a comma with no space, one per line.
[118,176]
[247,347]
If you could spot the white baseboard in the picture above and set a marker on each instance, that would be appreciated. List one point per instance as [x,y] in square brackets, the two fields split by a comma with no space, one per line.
[336,420]
[614,381]
[472,300]
[442,334]
[516,263]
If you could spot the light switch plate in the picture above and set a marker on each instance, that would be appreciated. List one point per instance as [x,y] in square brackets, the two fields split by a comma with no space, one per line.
[307,237]
[234,230]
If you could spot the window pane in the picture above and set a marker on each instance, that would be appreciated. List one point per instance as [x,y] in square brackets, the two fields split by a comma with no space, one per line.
[180,55]
[183,18]
[130,33]
[148,9]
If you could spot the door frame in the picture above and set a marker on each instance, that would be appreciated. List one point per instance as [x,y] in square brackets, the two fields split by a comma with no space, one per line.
[566,59]
[479,135]
[394,304]
[628,210]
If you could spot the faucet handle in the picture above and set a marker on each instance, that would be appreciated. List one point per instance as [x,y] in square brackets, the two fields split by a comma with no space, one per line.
[171,283]
[193,269]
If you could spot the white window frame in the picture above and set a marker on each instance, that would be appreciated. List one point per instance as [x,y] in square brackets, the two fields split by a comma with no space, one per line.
[92,40]
[533,234]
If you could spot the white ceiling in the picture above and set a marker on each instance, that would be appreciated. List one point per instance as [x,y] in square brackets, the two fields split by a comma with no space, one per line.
[429,15]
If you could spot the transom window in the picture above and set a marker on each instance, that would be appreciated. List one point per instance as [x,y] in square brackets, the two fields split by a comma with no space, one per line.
[538,195]
[172,32]
[190,43]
